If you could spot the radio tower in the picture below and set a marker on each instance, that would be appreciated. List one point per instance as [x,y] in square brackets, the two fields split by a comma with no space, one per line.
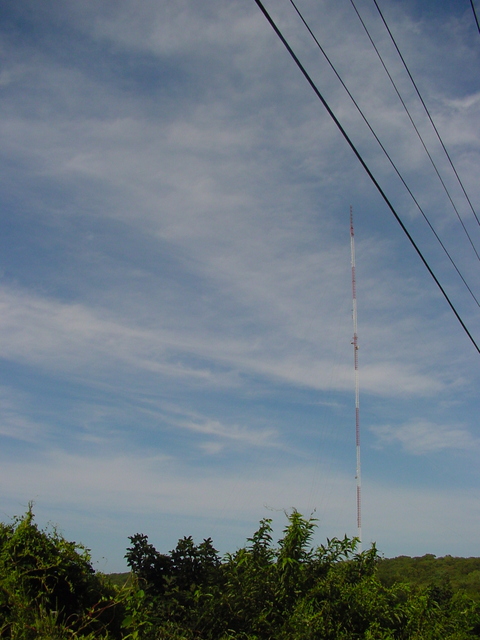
[358,475]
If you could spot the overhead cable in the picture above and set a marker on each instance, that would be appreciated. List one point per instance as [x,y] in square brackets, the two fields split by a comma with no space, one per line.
[426,108]
[364,165]
[416,128]
[383,149]
[475,15]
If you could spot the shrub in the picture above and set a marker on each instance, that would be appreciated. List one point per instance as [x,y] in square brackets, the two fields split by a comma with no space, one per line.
[48,583]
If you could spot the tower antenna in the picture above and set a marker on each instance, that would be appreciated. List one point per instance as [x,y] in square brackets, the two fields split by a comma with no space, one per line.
[358,475]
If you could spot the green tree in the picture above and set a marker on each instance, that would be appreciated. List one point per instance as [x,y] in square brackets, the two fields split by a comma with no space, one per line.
[295,591]
[149,566]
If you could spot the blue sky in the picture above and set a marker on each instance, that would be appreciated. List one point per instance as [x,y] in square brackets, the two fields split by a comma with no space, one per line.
[176,313]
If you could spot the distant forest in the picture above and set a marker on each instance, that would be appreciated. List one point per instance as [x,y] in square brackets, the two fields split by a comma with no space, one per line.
[459,574]
[285,590]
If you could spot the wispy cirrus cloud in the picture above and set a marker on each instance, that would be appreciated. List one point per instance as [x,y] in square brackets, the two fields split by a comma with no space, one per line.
[16,421]
[420,437]
[75,338]
[214,428]
[175,293]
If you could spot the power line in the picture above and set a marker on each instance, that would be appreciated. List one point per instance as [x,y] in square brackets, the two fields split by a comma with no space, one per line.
[383,149]
[425,106]
[364,165]
[415,127]
[475,15]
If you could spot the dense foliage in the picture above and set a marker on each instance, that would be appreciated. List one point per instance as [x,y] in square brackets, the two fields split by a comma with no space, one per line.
[290,591]
[48,588]
[429,571]
[263,591]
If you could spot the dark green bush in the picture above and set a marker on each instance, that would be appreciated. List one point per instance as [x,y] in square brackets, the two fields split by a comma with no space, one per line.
[290,591]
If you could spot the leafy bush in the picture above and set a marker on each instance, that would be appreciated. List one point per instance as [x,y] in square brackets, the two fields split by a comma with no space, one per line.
[48,587]
[289,591]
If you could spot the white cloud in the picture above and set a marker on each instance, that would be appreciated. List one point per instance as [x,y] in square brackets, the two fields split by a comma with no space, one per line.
[211,448]
[421,437]
[128,491]
[179,205]
[418,520]
[230,432]
[14,421]
[140,484]
[466,102]
[183,27]
[81,340]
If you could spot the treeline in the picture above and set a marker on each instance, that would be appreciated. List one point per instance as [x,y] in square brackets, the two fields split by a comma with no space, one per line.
[457,574]
[263,591]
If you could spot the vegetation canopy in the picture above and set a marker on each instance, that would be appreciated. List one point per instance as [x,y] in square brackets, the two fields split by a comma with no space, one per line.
[263,591]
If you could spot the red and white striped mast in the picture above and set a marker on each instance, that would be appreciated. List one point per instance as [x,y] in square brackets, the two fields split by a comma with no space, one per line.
[358,475]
